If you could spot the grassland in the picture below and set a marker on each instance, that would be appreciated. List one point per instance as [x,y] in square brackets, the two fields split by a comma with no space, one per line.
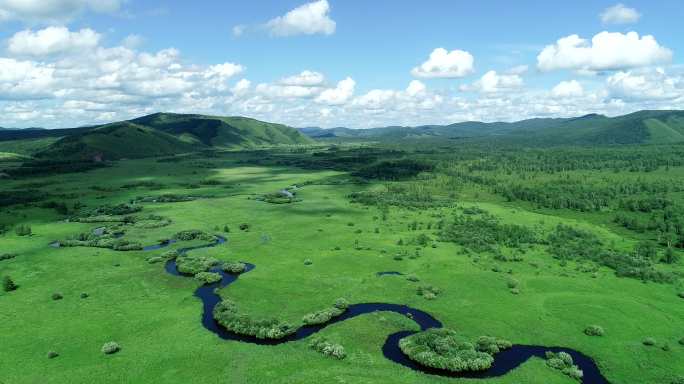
[155,318]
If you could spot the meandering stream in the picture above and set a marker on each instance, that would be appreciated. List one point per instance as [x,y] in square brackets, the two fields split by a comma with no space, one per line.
[504,361]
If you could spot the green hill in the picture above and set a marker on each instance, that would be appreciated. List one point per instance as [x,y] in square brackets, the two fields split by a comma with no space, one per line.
[643,127]
[154,135]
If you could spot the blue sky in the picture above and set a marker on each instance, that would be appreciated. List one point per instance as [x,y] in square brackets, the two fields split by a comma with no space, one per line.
[336,63]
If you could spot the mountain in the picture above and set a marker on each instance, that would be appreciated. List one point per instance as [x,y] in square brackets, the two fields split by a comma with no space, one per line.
[643,127]
[159,134]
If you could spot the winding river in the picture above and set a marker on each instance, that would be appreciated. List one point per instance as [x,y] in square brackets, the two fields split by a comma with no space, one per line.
[504,361]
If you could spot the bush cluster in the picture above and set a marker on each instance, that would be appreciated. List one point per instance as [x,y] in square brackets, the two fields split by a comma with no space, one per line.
[226,313]
[193,234]
[110,348]
[234,267]
[325,315]
[8,285]
[325,347]
[446,349]
[7,256]
[23,230]
[562,361]
[594,330]
[428,292]
[192,265]
[208,277]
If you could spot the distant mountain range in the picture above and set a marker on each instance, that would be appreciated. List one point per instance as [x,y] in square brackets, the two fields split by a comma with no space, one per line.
[157,135]
[636,128]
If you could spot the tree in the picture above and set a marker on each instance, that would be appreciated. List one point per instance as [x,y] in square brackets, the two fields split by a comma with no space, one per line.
[8,284]
[670,256]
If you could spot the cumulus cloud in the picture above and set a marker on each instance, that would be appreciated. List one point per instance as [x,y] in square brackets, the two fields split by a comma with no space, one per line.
[51,41]
[341,94]
[238,30]
[492,82]
[620,14]
[606,51]
[53,11]
[416,88]
[308,19]
[445,64]
[649,84]
[567,89]
[305,79]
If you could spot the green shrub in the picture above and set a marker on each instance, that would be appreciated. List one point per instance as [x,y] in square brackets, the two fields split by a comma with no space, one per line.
[428,292]
[52,354]
[446,349]
[308,262]
[649,342]
[192,265]
[57,296]
[226,313]
[193,234]
[563,362]
[323,346]
[681,341]
[23,230]
[244,227]
[110,348]
[594,330]
[170,255]
[325,315]
[234,267]
[7,256]
[681,294]
[84,295]
[412,278]
[155,259]
[8,284]
[208,277]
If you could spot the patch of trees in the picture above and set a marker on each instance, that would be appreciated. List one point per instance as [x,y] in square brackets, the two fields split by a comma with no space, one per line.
[208,277]
[8,285]
[192,265]
[563,362]
[7,256]
[483,233]
[193,234]
[446,349]
[570,243]
[327,348]
[394,169]
[234,267]
[226,313]
[325,315]
[594,330]
[428,292]
[50,167]
[166,198]
[24,196]
[107,240]
[23,230]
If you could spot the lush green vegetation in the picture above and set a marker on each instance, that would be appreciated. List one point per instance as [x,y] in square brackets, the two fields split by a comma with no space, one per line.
[586,239]
[447,349]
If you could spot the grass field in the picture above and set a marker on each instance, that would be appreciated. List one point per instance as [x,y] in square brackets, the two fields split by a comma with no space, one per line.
[155,318]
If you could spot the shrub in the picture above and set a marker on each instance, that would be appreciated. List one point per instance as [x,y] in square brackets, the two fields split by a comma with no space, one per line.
[428,292]
[308,262]
[84,295]
[110,348]
[170,255]
[594,330]
[52,354]
[7,256]
[23,230]
[515,291]
[8,284]
[512,283]
[192,265]
[412,278]
[208,277]
[681,341]
[57,296]
[681,294]
[649,342]
[323,346]
[244,227]
[446,349]
[563,362]
[155,259]
[226,313]
[234,267]
[193,234]
[325,315]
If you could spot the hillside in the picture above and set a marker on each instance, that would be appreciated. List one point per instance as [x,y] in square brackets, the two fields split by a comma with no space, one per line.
[643,127]
[154,135]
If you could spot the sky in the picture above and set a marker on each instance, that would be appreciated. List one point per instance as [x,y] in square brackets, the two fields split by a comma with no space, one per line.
[329,63]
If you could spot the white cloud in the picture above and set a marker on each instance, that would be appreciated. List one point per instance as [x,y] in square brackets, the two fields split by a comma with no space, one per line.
[607,51]
[286,91]
[518,70]
[342,93]
[239,30]
[620,14]
[224,70]
[308,19]
[416,88]
[444,64]
[650,84]
[51,41]
[567,89]
[241,87]
[304,79]
[492,82]
[53,11]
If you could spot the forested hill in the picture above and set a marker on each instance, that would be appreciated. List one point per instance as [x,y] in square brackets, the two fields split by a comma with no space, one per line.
[157,134]
[643,127]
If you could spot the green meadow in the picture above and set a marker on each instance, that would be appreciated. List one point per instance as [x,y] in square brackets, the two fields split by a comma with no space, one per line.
[326,244]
